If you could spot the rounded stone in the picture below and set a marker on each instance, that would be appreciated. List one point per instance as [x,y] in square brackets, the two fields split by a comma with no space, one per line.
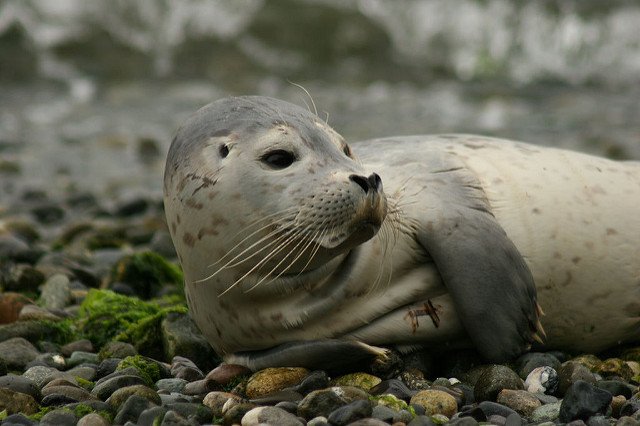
[272,380]
[93,419]
[216,401]
[56,292]
[20,384]
[83,345]
[59,418]
[17,352]
[41,375]
[171,385]
[582,401]
[522,402]
[321,402]
[81,357]
[104,389]
[131,409]
[493,379]
[120,396]
[570,372]
[546,413]
[435,402]
[270,416]
[542,380]
[74,392]
[615,367]
[17,402]
[350,413]
[225,373]
[526,363]
[363,381]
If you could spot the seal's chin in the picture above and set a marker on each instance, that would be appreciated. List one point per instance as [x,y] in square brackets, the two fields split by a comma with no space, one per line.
[361,232]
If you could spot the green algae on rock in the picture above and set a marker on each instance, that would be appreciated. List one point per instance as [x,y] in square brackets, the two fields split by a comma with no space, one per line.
[105,315]
[148,368]
[147,272]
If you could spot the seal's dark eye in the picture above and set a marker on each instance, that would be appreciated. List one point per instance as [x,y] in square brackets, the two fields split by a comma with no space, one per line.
[347,151]
[279,159]
[224,151]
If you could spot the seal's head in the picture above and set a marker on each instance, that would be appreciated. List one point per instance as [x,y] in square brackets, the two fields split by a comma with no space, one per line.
[259,190]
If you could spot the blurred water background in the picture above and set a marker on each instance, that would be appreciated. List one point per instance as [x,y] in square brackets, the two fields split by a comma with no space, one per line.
[91,92]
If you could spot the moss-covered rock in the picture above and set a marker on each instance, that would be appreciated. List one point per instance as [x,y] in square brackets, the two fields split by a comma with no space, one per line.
[363,381]
[148,368]
[147,273]
[105,315]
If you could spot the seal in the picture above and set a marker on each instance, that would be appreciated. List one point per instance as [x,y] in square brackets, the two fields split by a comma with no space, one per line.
[301,250]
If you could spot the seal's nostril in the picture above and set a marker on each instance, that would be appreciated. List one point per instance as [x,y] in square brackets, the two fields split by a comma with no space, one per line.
[375,182]
[361,181]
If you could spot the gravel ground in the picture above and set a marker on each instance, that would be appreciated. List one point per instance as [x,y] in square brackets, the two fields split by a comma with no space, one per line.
[94,331]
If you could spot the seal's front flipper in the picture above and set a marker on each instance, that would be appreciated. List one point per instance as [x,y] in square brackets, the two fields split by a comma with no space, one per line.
[489,281]
[330,355]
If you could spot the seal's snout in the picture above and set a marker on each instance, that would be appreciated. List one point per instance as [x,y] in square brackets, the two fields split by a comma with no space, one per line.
[372,183]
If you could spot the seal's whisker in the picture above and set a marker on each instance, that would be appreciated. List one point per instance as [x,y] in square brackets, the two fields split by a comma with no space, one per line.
[308,244]
[288,238]
[229,253]
[315,110]
[230,263]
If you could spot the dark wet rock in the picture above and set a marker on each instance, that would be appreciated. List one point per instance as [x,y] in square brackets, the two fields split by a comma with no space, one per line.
[131,207]
[321,403]
[583,400]
[171,418]
[597,421]
[13,248]
[493,379]
[58,399]
[95,405]
[394,387]
[350,413]
[570,372]
[20,384]
[41,375]
[463,421]
[59,417]
[421,420]
[103,390]
[115,349]
[526,363]
[17,402]
[180,336]
[80,357]
[188,410]
[107,366]
[17,352]
[83,345]
[235,414]
[131,409]
[84,371]
[383,413]
[20,277]
[184,368]
[18,419]
[152,416]
[48,213]
[119,396]
[33,331]
[278,396]
[313,381]
[162,244]
[474,412]
[490,408]
[75,392]
[615,387]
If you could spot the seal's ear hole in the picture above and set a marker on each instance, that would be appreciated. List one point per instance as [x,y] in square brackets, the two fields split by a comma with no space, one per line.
[279,159]
[224,151]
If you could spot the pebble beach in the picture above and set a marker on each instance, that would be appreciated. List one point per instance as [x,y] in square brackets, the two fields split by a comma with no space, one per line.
[95,331]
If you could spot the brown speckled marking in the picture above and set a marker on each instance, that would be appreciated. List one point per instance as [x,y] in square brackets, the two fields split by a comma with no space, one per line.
[207,231]
[192,203]
[567,280]
[174,226]
[589,245]
[212,194]
[189,239]
[178,219]
[576,260]
[535,210]
[611,231]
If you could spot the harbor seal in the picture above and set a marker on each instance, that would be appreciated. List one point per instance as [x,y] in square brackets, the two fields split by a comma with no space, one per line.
[299,249]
